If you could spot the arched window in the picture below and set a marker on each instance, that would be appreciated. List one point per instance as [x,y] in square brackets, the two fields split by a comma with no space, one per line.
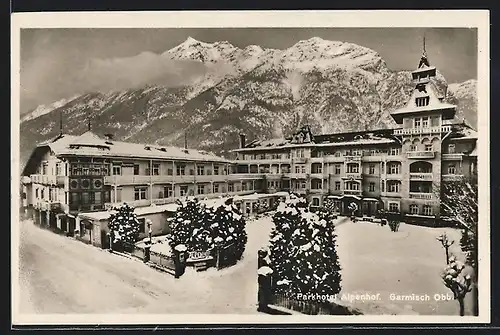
[427,209]
[413,209]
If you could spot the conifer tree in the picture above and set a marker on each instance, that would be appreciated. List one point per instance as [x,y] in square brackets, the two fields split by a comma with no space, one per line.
[123,227]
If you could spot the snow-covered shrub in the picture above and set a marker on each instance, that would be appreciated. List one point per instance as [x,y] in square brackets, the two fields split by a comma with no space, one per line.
[204,228]
[302,249]
[123,227]
[459,283]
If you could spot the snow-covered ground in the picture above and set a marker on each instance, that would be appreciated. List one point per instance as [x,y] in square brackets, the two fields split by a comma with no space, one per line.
[376,260]
[62,275]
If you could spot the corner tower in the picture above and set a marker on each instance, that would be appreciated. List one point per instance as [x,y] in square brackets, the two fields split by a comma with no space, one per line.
[421,136]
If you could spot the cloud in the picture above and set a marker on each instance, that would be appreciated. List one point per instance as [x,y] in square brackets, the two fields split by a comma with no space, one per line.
[48,78]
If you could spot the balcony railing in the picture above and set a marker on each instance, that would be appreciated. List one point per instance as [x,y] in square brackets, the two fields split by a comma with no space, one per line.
[352,175]
[453,157]
[421,196]
[421,176]
[48,179]
[426,130]
[452,177]
[353,158]
[421,154]
[297,175]
[163,201]
[391,194]
[353,192]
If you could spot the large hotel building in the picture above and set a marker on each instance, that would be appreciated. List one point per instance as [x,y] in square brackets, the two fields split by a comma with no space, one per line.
[73,181]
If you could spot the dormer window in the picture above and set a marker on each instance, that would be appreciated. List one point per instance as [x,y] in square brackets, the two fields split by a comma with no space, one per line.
[422,101]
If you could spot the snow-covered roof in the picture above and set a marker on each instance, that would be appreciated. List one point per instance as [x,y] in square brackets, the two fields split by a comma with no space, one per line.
[139,211]
[90,144]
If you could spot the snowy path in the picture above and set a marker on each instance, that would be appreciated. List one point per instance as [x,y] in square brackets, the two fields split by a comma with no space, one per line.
[61,275]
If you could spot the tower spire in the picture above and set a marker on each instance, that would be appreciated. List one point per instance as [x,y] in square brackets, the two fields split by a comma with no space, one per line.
[423,59]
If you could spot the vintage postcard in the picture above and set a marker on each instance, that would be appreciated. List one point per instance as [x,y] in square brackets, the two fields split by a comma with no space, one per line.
[250,167]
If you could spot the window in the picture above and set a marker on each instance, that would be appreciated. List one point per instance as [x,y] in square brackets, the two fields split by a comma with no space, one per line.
[393,186]
[451,148]
[191,172]
[451,169]
[382,166]
[337,168]
[74,198]
[216,188]
[200,170]
[337,186]
[300,153]
[351,185]
[244,186]
[413,147]
[382,186]
[352,168]
[97,197]
[413,209]
[427,210]
[425,122]
[36,193]
[303,184]
[140,193]
[142,225]
[85,171]
[59,169]
[167,191]
[428,147]
[416,123]
[371,187]
[315,202]
[170,171]
[183,190]
[216,170]
[136,169]
[156,169]
[337,154]
[393,168]
[298,168]
[117,170]
[230,187]
[303,169]
[44,168]
[180,170]
[85,198]
[394,152]
[371,169]
[393,207]
[200,189]
[319,169]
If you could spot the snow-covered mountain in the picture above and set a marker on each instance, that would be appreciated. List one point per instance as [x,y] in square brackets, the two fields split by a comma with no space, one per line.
[333,86]
[44,109]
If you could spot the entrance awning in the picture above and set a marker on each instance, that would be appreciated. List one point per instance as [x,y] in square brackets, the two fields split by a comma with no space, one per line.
[334,197]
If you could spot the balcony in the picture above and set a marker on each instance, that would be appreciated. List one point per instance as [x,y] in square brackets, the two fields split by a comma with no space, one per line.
[421,154]
[264,161]
[319,175]
[391,194]
[352,175]
[297,175]
[452,177]
[48,179]
[453,157]
[427,130]
[421,196]
[421,176]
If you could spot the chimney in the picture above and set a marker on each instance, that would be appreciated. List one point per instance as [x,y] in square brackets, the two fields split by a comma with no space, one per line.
[242,141]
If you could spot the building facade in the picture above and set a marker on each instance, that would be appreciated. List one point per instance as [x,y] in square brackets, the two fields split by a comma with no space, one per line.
[71,182]
[399,170]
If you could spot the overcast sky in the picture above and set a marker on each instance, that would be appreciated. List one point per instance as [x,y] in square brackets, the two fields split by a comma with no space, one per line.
[52,59]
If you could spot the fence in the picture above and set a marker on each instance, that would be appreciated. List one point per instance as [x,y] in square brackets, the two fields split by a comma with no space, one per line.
[311,307]
[161,260]
[226,256]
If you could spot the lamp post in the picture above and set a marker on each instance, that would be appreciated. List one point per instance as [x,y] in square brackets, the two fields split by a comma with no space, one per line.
[150,232]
